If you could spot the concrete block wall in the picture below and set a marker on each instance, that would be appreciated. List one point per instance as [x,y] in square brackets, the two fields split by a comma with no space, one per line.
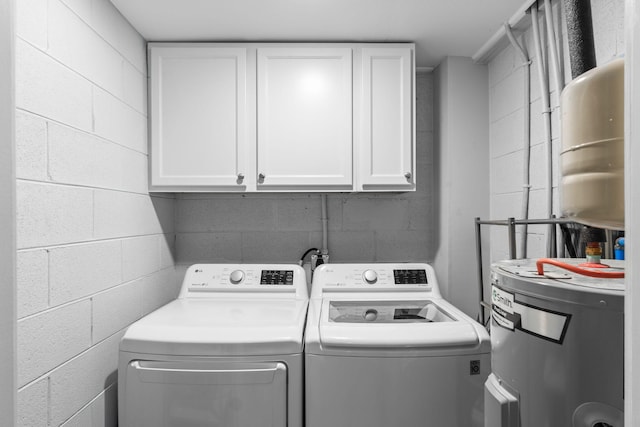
[506,92]
[95,250]
[280,227]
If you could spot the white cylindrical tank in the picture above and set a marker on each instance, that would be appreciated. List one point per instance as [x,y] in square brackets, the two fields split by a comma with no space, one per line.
[592,156]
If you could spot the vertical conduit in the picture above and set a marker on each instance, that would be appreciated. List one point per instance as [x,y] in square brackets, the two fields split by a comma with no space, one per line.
[546,112]
[555,58]
[526,176]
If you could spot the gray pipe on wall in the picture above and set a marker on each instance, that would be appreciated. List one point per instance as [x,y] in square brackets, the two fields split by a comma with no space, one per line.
[582,52]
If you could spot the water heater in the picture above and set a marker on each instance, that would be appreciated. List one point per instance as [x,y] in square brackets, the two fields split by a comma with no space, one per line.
[592,156]
[557,347]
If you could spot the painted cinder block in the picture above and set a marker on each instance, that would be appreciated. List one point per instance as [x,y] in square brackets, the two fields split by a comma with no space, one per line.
[82,270]
[116,30]
[424,152]
[226,214]
[77,157]
[116,121]
[221,247]
[119,214]
[421,217]
[75,44]
[507,173]
[507,134]
[82,8]
[48,88]
[77,382]
[33,404]
[100,412]
[140,256]
[32,277]
[31,22]
[360,214]
[115,309]
[52,214]
[167,250]
[135,88]
[507,96]
[159,288]
[401,246]
[505,205]
[50,338]
[299,214]
[274,246]
[502,65]
[31,146]
[424,102]
[352,246]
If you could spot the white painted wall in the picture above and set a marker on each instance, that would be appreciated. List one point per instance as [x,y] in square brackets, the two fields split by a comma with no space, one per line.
[632,206]
[280,227]
[462,175]
[95,250]
[7,219]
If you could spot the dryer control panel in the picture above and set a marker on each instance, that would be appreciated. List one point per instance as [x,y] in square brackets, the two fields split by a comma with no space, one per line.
[380,277]
[269,279]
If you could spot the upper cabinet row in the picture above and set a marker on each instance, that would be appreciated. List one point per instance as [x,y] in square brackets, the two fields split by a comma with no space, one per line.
[282,117]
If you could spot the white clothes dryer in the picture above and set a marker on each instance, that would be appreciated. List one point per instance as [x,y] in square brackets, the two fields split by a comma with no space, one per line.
[227,353]
[383,348]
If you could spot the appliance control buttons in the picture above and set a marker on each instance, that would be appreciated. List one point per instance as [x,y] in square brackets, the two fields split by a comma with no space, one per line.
[370,276]
[370,315]
[236,277]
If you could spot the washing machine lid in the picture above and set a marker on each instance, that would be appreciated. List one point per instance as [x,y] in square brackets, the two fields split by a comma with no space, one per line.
[213,327]
[400,324]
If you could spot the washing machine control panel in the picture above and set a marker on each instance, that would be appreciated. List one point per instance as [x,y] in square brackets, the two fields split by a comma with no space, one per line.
[374,277]
[232,278]
[410,276]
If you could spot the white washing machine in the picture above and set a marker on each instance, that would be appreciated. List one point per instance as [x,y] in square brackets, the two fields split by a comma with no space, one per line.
[384,349]
[227,353]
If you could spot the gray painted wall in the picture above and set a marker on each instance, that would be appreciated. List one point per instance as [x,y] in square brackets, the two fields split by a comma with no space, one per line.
[462,184]
[7,220]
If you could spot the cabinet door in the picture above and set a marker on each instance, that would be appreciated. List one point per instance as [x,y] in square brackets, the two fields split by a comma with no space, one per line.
[198,116]
[386,145]
[304,117]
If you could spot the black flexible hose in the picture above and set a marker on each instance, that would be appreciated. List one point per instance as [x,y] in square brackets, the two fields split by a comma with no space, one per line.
[307,253]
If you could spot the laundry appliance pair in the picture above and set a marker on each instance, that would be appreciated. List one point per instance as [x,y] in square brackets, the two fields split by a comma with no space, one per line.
[382,348]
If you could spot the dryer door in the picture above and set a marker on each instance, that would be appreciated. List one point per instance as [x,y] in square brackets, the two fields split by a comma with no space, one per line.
[195,394]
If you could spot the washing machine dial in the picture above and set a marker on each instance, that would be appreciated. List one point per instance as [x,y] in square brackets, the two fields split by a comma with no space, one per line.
[236,277]
[370,276]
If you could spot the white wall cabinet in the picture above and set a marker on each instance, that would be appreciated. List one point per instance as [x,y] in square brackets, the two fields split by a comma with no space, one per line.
[258,117]
[199,125]
[305,117]
[386,145]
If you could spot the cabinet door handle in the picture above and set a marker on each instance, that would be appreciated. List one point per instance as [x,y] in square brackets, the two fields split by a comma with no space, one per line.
[261,177]
[240,177]
[408,176]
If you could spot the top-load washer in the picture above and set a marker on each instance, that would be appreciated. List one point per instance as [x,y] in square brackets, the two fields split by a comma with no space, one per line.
[383,348]
[227,353]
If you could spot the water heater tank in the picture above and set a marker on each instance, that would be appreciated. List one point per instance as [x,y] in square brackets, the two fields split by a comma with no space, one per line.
[557,347]
[592,156]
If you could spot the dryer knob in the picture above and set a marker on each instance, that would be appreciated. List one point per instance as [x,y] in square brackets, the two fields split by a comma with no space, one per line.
[370,276]
[236,276]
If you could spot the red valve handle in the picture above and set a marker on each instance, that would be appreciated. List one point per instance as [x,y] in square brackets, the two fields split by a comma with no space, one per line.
[576,269]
